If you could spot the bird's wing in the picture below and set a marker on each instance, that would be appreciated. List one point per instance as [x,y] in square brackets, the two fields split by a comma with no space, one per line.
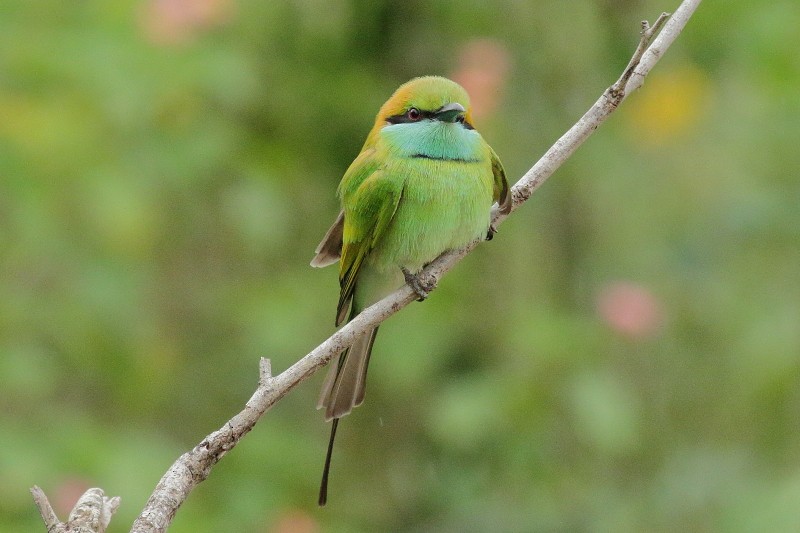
[330,248]
[501,193]
[369,210]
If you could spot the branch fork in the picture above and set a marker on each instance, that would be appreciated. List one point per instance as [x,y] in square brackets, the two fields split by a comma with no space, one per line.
[91,513]
[618,90]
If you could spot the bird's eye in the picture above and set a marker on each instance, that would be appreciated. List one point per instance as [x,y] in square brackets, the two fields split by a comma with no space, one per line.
[460,119]
[414,114]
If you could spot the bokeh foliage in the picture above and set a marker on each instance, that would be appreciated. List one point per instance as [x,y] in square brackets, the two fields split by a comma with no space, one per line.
[625,356]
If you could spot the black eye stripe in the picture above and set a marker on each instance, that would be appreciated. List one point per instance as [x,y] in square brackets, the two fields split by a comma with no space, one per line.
[423,115]
[404,118]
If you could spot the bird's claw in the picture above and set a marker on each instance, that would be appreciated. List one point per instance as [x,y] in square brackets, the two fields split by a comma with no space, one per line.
[491,232]
[420,287]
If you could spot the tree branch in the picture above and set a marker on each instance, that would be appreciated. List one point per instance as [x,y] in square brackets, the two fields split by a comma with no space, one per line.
[194,466]
[91,513]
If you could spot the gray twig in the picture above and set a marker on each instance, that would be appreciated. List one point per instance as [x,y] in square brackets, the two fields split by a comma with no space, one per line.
[91,513]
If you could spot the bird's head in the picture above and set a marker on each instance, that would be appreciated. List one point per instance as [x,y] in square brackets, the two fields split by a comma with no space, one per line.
[427,117]
[427,98]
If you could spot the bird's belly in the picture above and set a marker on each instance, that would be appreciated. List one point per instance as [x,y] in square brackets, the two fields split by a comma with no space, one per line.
[446,207]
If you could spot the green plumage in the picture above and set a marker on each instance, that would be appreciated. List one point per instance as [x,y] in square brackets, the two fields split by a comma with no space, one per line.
[423,183]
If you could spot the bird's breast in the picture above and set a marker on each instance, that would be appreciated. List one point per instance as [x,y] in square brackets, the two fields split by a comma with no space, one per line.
[445,204]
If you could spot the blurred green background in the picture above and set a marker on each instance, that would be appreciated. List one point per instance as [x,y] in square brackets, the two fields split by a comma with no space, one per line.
[624,357]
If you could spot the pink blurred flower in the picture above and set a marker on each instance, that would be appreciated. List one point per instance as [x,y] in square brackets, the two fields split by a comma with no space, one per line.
[630,310]
[483,67]
[67,493]
[174,22]
[295,521]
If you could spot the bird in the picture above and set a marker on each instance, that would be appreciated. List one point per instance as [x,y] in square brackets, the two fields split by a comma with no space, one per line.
[424,182]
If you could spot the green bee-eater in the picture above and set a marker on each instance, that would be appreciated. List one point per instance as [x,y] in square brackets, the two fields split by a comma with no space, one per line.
[424,183]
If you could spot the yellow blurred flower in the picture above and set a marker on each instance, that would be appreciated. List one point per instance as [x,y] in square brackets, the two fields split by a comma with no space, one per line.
[668,106]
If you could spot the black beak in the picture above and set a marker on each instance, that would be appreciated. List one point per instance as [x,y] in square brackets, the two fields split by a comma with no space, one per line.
[449,112]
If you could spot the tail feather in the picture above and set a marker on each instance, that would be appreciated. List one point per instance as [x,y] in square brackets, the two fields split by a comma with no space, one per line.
[345,384]
[344,389]
[323,486]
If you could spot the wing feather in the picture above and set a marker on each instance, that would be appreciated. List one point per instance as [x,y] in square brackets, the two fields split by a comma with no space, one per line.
[369,199]
[377,199]
[502,192]
[329,250]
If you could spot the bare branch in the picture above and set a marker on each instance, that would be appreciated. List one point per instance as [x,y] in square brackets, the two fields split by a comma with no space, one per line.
[618,89]
[91,513]
[194,466]
[45,509]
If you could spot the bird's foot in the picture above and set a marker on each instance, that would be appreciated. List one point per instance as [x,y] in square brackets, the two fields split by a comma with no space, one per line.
[491,232]
[422,287]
